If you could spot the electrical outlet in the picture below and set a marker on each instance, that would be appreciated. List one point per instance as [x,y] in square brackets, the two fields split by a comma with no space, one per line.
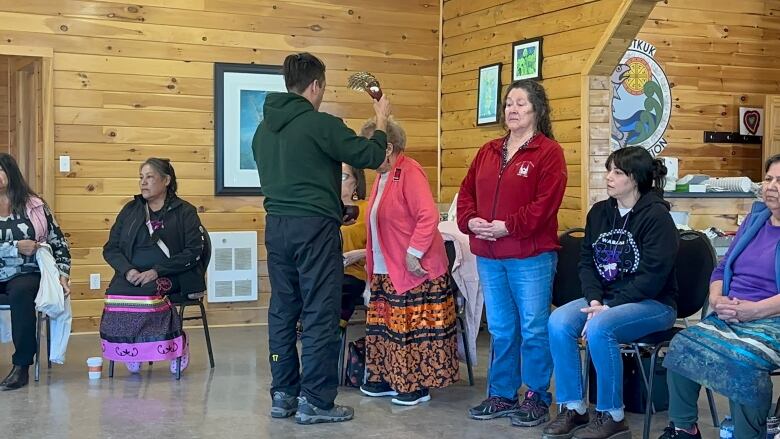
[64,163]
[94,281]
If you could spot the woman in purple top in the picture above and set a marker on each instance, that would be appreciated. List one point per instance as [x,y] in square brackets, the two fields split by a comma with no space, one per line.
[734,349]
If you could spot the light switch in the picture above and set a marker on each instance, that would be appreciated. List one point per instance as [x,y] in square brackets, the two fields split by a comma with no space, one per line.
[64,163]
[94,281]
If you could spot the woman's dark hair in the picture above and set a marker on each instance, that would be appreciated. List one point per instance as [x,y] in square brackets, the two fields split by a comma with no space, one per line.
[360,182]
[300,70]
[537,96]
[18,190]
[648,173]
[771,161]
[164,168]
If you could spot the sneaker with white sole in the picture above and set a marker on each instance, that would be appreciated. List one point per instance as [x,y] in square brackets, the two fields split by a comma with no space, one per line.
[377,389]
[412,398]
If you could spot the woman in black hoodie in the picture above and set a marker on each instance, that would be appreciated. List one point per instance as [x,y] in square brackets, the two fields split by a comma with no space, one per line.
[628,280]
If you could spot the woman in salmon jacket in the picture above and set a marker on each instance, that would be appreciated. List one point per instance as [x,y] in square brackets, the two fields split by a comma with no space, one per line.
[410,328]
[508,205]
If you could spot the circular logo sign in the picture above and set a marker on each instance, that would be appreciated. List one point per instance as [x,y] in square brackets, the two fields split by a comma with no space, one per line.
[641,100]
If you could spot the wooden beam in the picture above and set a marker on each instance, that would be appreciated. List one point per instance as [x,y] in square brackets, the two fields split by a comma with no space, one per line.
[621,30]
[47,123]
[438,102]
[585,144]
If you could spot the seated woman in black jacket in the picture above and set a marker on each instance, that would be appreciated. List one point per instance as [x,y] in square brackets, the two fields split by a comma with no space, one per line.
[155,247]
[630,291]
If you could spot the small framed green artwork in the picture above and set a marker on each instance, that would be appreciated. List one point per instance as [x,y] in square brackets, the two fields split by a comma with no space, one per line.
[489,94]
[527,59]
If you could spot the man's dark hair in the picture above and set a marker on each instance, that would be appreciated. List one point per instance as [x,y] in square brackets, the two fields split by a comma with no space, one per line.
[300,70]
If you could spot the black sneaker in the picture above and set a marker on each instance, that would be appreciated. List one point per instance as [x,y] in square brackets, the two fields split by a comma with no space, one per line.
[533,411]
[377,389]
[283,405]
[672,433]
[412,398]
[493,407]
[309,414]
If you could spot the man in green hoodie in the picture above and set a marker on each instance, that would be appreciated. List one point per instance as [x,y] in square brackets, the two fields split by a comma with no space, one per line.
[299,152]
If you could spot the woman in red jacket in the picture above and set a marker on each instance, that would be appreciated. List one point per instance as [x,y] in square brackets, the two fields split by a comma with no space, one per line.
[508,204]
[410,330]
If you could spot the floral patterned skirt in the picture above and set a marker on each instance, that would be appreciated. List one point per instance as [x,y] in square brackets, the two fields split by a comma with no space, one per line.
[411,338]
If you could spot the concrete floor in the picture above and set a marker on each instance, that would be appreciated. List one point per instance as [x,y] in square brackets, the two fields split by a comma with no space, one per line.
[231,401]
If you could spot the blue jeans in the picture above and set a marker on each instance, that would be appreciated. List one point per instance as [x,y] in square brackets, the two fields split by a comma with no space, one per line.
[621,324]
[518,293]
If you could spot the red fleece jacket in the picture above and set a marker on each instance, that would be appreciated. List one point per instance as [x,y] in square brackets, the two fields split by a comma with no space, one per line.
[526,194]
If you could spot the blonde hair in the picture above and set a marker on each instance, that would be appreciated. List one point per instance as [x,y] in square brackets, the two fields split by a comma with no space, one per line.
[395,134]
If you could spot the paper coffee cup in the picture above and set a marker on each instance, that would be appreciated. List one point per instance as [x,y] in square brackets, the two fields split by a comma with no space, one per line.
[95,367]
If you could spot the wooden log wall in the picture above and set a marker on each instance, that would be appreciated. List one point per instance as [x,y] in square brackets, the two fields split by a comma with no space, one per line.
[599,122]
[718,55]
[13,120]
[4,105]
[481,32]
[135,80]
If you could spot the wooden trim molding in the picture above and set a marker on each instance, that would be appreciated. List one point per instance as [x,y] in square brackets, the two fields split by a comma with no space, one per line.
[40,52]
[48,160]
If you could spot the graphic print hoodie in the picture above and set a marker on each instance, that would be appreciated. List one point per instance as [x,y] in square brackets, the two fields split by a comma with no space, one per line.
[630,258]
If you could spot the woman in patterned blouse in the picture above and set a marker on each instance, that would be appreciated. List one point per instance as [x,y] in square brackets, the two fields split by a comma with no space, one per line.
[25,223]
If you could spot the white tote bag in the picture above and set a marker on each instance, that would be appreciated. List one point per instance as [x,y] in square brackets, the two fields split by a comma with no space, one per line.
[51,301]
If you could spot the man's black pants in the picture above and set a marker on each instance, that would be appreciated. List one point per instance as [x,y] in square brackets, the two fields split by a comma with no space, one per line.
[305,266]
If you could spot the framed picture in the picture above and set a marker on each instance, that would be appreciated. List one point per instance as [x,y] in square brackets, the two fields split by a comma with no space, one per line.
[239,94]
[527,59]
[489,94]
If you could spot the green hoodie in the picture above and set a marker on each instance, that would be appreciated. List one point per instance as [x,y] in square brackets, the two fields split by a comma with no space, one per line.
[299,152]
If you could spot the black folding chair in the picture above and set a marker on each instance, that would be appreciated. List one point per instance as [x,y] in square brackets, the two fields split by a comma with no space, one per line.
[343,339]
[460,312]
[694,265]
[566,282]
[5,305]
